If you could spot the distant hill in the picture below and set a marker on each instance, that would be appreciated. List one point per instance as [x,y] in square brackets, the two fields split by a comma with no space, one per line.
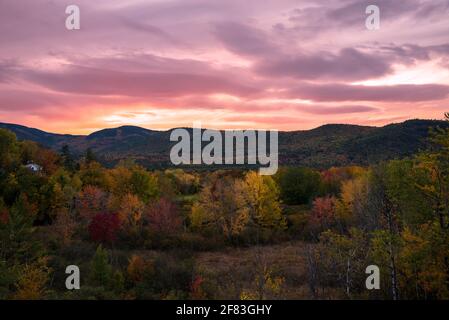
[45,138]
[325,146]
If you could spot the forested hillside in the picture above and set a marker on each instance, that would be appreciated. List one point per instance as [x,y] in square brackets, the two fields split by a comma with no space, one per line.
[323,147]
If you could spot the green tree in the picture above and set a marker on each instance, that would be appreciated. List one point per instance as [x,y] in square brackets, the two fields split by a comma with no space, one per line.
[134,180]
[17,244]
[67,158]
[344,259]
[9,160]
[434,166]
[9,150]
[90,156]
[298,185]
[93,174]
[101,273]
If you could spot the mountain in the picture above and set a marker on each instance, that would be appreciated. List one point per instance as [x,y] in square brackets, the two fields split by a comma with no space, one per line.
[45,138]
[335,145]
[325,146]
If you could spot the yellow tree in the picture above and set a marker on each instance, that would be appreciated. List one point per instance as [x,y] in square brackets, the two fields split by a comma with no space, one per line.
[129,208]
[64,227]
[352,202]
[422,262]
[218,208]
[32,281]
[130,178]
[259,196]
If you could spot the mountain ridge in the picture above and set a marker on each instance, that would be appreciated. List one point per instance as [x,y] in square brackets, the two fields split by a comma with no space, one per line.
[324,146]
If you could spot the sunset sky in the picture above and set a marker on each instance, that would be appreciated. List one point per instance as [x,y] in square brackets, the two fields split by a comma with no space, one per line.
[274,64]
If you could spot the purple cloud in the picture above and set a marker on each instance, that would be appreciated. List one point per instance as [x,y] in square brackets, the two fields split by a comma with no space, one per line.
[92,81]
[244,40]
[349,64]
[395,93]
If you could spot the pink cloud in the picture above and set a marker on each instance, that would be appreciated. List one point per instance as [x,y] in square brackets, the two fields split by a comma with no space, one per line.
[290,64]
[393,93]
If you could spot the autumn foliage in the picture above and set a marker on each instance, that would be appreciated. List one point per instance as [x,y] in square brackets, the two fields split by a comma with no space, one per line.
[91,201]
[323,213]
[163,217]
[196,291]
[104,227]
[188,234]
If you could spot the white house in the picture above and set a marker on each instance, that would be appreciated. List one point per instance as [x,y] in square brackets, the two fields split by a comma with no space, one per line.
[33,167]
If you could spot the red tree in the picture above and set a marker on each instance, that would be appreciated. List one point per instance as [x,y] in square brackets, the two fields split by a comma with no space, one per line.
[323,212]
[163,217]
[196,291]
[4,216]
[104,227]
[90,201]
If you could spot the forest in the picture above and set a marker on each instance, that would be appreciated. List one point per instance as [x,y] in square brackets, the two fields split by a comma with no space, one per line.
[174,233]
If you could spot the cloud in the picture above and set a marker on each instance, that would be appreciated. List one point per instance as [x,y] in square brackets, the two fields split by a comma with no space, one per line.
[349,13]
[243,39]
[24,100]
[412,53]
[6,70]
[221,60]
[394,93]
[144,62]
[345,109]
[349,64]
[93,81]
[331,15]
[270,60]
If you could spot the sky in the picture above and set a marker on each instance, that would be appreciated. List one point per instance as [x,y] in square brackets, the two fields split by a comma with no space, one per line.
[230,64]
